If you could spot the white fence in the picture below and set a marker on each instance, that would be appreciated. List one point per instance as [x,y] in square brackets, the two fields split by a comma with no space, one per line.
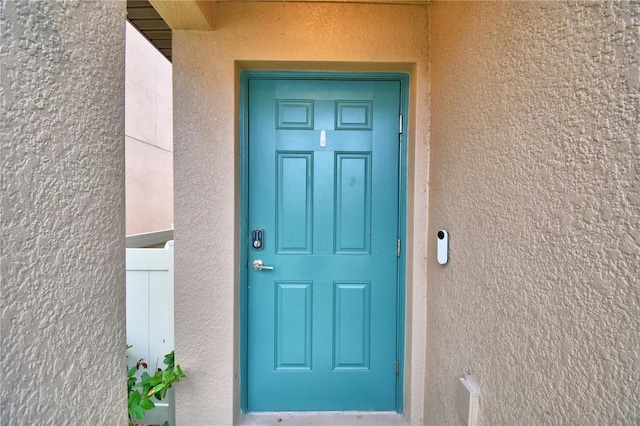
[150,316]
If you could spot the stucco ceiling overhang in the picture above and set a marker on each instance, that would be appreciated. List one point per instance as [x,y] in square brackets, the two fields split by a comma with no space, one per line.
[200,14]
[156,19]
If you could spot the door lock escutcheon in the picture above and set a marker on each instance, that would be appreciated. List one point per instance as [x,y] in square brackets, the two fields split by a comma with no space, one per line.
[257,238]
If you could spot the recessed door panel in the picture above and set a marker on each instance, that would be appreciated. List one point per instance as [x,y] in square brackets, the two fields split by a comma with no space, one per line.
[353,203]
[352,325]
[293,326]
[294,202]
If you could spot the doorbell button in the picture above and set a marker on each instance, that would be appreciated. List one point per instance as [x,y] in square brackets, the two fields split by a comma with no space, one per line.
[443,247]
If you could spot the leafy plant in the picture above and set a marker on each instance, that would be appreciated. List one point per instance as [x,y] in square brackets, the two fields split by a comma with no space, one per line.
[140,393]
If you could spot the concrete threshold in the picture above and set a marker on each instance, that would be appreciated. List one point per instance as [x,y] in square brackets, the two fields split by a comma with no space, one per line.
[353,418]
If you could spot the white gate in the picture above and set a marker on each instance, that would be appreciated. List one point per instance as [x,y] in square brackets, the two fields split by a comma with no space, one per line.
[150,316]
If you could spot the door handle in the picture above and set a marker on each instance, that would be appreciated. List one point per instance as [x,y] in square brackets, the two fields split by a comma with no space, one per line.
[257,265]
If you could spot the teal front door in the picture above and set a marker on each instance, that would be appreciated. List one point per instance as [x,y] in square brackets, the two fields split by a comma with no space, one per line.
[323,214]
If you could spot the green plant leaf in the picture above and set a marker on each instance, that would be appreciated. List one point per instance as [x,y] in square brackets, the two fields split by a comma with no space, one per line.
[166,423]
[134,398]
[137,412]
[147,404]
[168,358]
[179,371]
[157,388]
[131,372]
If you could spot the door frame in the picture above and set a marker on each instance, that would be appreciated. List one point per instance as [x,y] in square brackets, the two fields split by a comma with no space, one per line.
[243,245]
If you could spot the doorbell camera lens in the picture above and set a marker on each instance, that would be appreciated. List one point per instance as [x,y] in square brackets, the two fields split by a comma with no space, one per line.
[440,235]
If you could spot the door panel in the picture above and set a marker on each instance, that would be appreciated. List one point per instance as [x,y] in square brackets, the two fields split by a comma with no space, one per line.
[352,203]
[293,325]
[294,207]
[323,184]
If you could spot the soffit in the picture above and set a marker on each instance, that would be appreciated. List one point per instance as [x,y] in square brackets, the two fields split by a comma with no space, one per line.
[145,18]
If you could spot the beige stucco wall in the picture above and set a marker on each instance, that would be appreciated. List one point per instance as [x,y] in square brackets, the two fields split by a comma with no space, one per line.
[149,136]
[535,168]
[63,278]
[206,64]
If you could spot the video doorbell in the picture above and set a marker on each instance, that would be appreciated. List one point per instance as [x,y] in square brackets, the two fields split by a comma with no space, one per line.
[443,247]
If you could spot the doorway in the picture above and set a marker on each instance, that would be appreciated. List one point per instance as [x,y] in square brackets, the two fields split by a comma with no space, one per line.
[322,299]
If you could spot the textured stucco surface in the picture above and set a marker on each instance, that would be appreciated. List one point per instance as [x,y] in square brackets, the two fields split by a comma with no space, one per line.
[149,136]
[63,275]
[285,36]
[187,14]
[535,168]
